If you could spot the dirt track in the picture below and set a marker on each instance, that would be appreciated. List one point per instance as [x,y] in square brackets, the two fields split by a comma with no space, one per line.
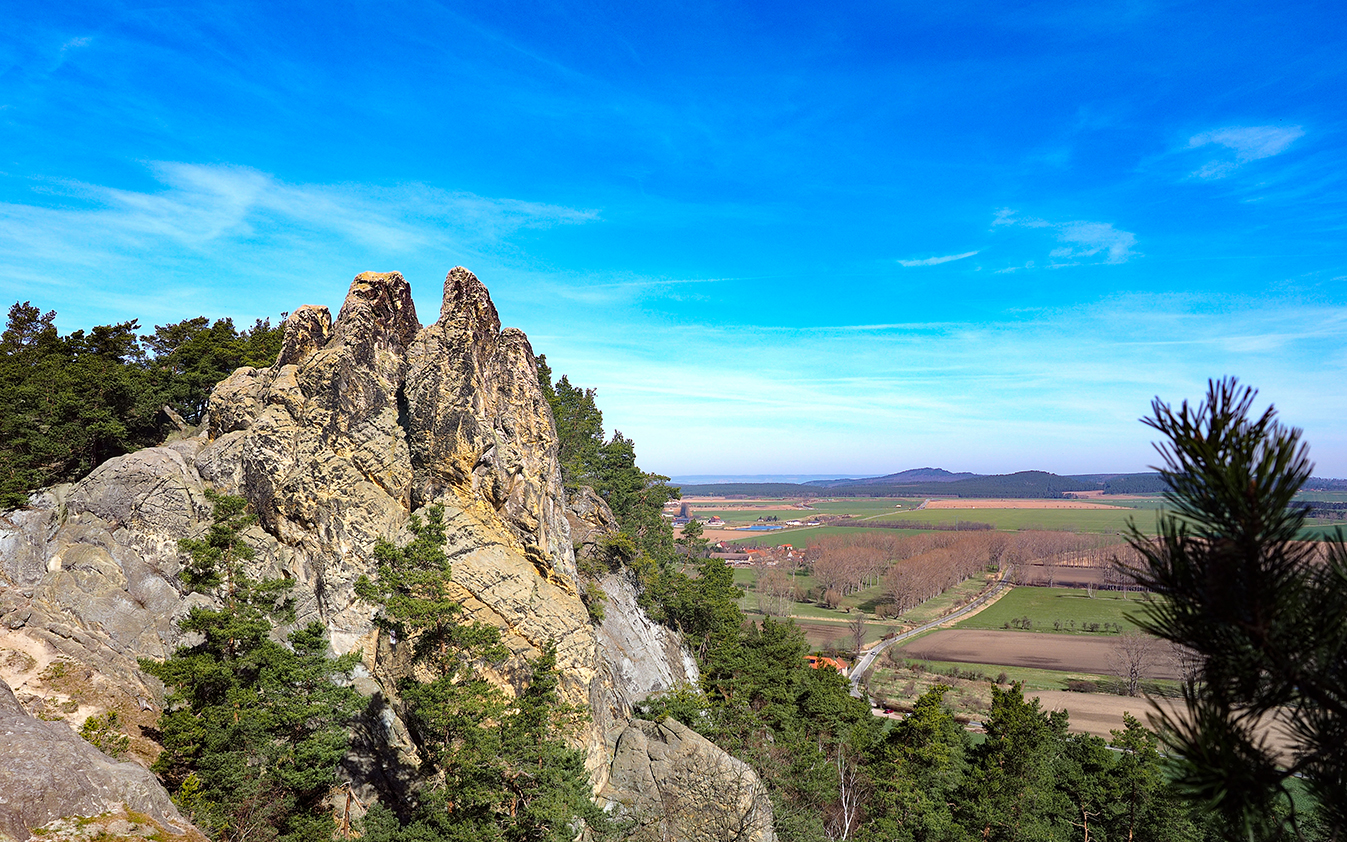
[1069,653]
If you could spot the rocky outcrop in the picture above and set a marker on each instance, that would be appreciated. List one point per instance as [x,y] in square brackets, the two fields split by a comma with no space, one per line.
[480,427]
[47,772]
[644,656]
[361,421]
[676,784]
[590,521]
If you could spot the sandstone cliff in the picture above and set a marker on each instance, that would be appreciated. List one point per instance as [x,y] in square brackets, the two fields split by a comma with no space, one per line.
[360,422]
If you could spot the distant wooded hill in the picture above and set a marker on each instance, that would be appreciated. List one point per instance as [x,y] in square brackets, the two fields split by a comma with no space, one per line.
[915,475]
[937,482]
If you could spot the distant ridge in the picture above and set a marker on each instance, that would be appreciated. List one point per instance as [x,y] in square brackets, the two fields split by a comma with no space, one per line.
[937,482]
[1033,484]
[721,479]
[912,475]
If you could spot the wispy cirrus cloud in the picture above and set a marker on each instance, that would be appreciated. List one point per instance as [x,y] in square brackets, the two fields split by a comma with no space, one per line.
[1019,376]
[935,261]
[203,217]
[1242,144]
[205,205]
[1082,242]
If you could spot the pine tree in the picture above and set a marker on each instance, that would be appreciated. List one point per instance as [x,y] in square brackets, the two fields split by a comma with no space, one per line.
[253,730]
[1264,612]
[501,768]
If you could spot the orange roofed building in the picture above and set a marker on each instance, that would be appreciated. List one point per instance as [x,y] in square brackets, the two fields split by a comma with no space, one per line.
[817,661]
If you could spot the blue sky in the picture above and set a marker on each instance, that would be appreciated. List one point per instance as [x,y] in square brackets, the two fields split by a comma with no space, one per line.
[777,238]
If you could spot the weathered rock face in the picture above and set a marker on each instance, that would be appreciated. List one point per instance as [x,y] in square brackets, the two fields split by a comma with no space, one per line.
[644,656]
[47,772]
[359,423]
[679,785]
[480,426]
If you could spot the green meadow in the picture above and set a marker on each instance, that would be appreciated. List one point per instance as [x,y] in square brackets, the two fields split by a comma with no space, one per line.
[1073,608]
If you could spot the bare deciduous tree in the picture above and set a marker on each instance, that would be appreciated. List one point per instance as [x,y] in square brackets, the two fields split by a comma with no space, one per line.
[857,628]
[843,816]
[1134,656]
[775,592]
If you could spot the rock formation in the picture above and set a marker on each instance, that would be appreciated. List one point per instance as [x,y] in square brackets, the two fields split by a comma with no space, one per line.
[679,785]
[47,772]
[359,423]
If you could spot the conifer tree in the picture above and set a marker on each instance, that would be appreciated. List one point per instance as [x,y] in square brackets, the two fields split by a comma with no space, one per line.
[500,767]
[253,730]
[1263,611]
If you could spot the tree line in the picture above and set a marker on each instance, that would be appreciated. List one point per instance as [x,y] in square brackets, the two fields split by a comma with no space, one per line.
[915,568]
[70,402]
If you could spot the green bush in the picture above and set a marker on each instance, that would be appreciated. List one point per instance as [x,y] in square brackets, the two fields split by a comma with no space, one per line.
[102,731]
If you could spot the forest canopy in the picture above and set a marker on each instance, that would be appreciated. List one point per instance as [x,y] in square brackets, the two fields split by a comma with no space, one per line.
[70,402]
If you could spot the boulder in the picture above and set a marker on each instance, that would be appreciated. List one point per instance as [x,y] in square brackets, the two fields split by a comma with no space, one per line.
[47,773]
[677,785]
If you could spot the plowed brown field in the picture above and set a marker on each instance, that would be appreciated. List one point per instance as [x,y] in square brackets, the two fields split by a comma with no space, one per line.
[1070,653]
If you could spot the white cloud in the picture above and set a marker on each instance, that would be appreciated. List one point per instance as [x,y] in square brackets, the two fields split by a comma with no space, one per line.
[210,205]
[936,261]
[66,49]
[1083,242]
[1246,143]
[204,231]
[1091,239]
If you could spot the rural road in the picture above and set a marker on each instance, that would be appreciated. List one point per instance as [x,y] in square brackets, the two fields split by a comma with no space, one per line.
[868,660]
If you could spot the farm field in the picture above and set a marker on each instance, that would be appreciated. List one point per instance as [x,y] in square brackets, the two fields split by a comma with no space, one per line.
[1112,519]
[1099,713]
[1152,502]
[1323,531]
[1057,610]
[1066,653]
[857,506]
[1099,514]
[1012,503]
[897,668]
[1323,496]
[740,513]
[969,696]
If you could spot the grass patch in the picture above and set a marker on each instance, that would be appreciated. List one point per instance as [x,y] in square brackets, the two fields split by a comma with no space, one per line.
[1058,610]
[801,536]
[1321,531]
[897,683]
[1033,679]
